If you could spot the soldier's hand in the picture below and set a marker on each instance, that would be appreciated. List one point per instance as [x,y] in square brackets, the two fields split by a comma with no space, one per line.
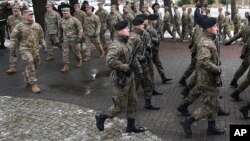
[79,39]
[44,49]
[228,43]
[13,53]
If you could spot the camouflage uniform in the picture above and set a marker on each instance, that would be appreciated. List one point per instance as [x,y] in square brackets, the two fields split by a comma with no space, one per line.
[159,23]
[102,14]
[11,23]
[112,19]
[128,17]
[190,22]
[226,27]
[26,37]
[237,22]
[52,20]
[177,23]
[69,30]
[167,23]
[184,21]
[220,21]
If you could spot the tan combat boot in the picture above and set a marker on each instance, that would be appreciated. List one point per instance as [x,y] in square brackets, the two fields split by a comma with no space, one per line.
[35,88]
[65,68]
[79,64]
[11,70]
[86,59]
[49,58]
[102,54]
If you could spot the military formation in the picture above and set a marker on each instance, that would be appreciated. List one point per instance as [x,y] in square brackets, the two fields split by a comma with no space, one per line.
[136,35]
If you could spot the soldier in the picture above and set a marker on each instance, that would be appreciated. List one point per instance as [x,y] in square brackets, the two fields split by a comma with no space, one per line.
[220,20]
[136,11]
[70,34]
[167,22]
[112,19]
[207,11]
[12,21]
[92,27]
[184,21]
[190,22]
[127,16]
[226,26]
[206,71]
[26,36]
[102,14]
[116,9]
[52,19]
[246,21]
[159,27]
[244,110]
[237,22]
[124,97]
[145,10]
[177,23]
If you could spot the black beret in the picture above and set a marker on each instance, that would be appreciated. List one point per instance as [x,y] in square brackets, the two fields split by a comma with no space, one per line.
[137,21]
[144,16]
[200,18]
[120,25]
[208,22]
[153,17]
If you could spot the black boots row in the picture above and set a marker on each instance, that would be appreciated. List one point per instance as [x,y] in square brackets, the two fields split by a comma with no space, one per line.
[244,111]
[100,119]
[165,79]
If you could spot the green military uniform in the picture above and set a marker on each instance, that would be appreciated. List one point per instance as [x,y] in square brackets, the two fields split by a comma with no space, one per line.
[128,17]
[103,14]
[52,20]
[220,21]
[177,23]
[237,22]
[190,22]
[184,21]
[112,19]
[226,27]
[167,23]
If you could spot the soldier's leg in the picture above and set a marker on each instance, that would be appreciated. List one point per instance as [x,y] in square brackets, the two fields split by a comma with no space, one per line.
[158,63]
[49,43]
[244,110]
[228,33]
[65,47]
[146,84]
[87,50]
[189,71]
[242,69]
[151,68]
[168,28]
[190,85]
[179,31]
[76,47]
[244,84]
[97,43]
[174,31]
[13,61]
[102,38]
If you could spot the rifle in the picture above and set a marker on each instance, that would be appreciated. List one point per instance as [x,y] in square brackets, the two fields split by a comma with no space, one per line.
[132,57]
[217,43]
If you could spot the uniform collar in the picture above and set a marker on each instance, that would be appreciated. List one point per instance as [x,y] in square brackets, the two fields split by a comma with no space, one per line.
[138,31]
[122,38]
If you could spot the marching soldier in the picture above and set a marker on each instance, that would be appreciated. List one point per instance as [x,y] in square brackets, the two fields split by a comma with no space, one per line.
[70,34]
[127,16]
[226,26]
[136,11]
[237,22]
[184,21]
[52,19]
[92,27]
[190,22]
[220,20]
[124,97]
[26,36]
[159,27]
[102,14]
[177,23]
[112,19]
[12,21]
[167,22]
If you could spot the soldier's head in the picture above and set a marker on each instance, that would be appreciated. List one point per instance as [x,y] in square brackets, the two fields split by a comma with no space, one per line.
[209,25]
[121,28]
[207,11]
[153,18]
[138,22]
[49,6]
[113,9]
[155,7]
[220,10]
[246,14]
[189,10]
[28,15]
[77,7]
[16,10]
[126,9]
[89,9]
[145,18]
[66,12]
[183,9]
[100,5]
[227,13]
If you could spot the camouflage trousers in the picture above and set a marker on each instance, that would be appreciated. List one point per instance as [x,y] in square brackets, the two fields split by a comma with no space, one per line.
[167,27]
[178,29]
[102,38]
[124,98]
[209,104]
[226,32]
[95,40]
[158,63]
[184,31]
[242,69]
[76,48]
[236,28]
[13,60]
[190,31]
[191,67]
[50,42]
[150,65]
[147,83]
[31,60]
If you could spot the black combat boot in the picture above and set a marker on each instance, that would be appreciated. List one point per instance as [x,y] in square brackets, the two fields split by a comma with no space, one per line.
[156,93]
[185,91]
[183,81]
[183,108]
[186,125]
[213,130]
[149,106]
[2,45]
[100,119]
[235,96]
[234,83]
[244,111]
[222,112]
[165,79]
[132,128]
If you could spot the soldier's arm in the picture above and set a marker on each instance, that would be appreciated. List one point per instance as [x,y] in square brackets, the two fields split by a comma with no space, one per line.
[15,38]
[204,57]
[8,24]
[236,36]
[41,36]
[79,28]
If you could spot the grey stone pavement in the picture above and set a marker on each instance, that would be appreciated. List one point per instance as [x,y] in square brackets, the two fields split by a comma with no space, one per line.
[65,109]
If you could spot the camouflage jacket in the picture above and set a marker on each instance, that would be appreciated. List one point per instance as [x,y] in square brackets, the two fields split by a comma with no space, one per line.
[13,21]
[70,28]
[177,18]
[128,17]
[190,20]
[102,14]
[184,18]
[136,38]
[237,19]
[52,20]
[167,18]
[80,16]
[92,25]
[27,36]
[112,19]
[220,19]
[227,22]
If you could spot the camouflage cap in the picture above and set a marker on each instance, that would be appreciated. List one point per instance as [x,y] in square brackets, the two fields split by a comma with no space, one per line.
[49,4]
[66,10]
[77,5]
[28,12]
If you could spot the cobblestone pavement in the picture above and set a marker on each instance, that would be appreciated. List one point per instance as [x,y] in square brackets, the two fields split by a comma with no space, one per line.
[78,87]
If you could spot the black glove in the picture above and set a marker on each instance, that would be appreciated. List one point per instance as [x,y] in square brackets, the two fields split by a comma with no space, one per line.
[141,76]
[44,49]
[242,56]
[13,53]
[191,45]
[228,43]
[79,40]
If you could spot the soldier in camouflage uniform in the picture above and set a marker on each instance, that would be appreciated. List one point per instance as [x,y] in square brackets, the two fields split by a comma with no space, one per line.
[52,19]
[206,70]
[237,22]
[92,27]
[145,10]
[112,19]
[12,21]
[220,20]
[226,26]
[127,16]
[184,21]
[136,11]
[70,34]
[246,21]
[124,97]
[207,11]
[159,27]
[190,22]
[27,36]
[102,14]
[167,22]
[177,23]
